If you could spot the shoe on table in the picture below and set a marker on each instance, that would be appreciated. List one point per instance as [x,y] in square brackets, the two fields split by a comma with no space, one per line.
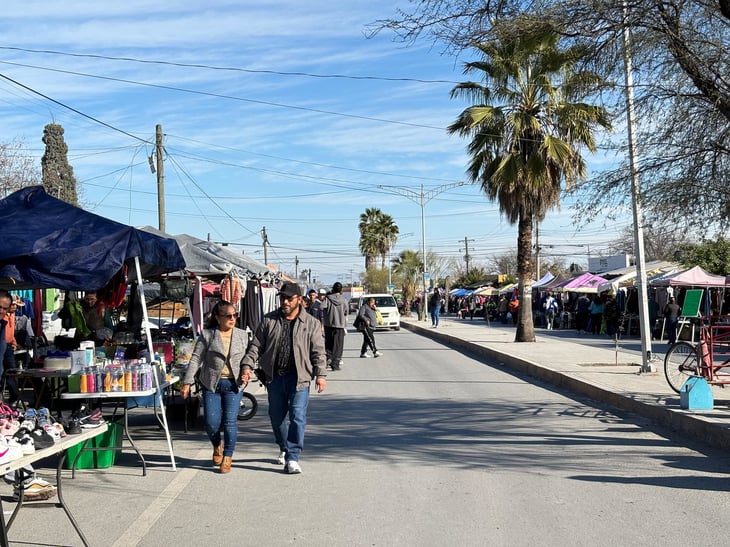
[281,460]
[377,354]
[292,468]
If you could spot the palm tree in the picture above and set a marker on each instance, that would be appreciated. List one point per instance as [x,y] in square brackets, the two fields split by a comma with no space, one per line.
[378,233]
[408,266]
[526,127]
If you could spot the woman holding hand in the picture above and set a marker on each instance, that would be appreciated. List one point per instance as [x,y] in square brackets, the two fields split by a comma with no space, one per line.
[217,355]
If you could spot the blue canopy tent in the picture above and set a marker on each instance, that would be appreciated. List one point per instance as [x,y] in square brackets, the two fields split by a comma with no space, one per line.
[48,243]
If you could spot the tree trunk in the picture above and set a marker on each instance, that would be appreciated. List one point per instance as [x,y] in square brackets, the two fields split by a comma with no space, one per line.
[525,327]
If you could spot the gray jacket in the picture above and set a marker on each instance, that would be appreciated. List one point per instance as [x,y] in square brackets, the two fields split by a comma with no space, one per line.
[368,314]
[307,344]
[209,356]
[334,308]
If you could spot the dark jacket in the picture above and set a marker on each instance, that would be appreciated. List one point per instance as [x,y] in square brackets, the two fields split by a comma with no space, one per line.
[209,356]
[307,344]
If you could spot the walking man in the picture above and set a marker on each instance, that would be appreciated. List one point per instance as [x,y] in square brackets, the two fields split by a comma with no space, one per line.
[288,347]
[334,308]
[368,319]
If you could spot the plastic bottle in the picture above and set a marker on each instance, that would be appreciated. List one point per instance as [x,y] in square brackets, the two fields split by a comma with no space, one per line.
[90,380]
[82,382]
[127,379]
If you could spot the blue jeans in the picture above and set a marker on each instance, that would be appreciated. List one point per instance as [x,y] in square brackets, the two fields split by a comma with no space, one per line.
[285,399]
[435,313]
[221,412]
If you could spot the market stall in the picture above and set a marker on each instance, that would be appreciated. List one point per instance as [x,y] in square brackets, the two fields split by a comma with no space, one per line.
[48,243]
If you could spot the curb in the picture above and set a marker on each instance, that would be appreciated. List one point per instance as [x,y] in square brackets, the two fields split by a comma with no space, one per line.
[693,426]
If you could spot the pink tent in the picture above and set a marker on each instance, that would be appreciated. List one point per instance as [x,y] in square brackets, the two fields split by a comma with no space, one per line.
[694,277]
[587,282]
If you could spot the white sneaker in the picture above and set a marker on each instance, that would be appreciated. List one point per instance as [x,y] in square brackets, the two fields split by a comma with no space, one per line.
[10,450]
[292,468]
[36,489]
[282,458]
[363,356]
[377,354]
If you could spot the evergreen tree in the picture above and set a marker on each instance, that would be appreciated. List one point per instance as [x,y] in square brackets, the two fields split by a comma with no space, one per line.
[57,173]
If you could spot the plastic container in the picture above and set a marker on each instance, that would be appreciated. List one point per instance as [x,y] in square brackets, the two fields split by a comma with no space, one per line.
[101,459]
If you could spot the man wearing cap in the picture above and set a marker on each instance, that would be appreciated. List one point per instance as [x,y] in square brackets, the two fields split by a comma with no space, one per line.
[334,308]
[288,347]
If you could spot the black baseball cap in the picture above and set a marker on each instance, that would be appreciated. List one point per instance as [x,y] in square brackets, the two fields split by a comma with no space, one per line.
[290,289]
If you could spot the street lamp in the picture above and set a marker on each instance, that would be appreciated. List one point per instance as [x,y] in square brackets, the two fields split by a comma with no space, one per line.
[422,198]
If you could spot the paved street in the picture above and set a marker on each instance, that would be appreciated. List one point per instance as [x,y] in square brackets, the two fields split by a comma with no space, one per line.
[423,446]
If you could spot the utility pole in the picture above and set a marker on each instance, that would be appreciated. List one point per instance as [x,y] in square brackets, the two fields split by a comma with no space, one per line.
[265,239]
[422,198]
[160,178]
[296,267]
[467,256]
[537,251]
[641,282]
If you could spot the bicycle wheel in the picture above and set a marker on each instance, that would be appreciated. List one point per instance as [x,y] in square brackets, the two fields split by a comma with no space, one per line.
[680,363]
[249,406]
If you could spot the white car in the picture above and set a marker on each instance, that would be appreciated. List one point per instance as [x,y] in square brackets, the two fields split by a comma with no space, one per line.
[388,308]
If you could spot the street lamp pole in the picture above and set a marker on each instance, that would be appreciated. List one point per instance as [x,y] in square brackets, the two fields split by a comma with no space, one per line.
[421,198]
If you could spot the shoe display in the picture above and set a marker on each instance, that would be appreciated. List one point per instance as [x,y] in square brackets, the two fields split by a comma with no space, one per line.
[226,464]
[218,454]
[43,417]
[24,439]
[281,460]
[9,427]
[292,468]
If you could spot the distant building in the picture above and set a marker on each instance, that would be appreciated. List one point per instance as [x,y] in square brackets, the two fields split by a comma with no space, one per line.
[607,263]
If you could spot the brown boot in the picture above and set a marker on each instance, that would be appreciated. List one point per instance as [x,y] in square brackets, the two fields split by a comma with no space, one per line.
[226,464]
[218,454]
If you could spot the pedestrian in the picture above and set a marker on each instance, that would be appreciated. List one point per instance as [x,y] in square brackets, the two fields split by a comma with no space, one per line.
[368,319]
[611,314]
[671,316]
[596,311]
[435,304]
[514,308]
[550,306]
[582,313]
[503,307]
[288,348]
[472,307]
[216,360]
[334,309]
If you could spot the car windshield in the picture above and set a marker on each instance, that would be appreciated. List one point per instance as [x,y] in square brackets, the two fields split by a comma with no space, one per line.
[384,301]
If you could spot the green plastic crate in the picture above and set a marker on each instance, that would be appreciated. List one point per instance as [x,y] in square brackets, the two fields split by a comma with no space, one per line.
[97,459]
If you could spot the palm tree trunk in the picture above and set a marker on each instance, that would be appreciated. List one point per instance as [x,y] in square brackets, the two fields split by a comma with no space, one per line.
[525,327]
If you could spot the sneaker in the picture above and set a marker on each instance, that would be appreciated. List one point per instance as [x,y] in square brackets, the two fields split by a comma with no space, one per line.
[377,354]
[10,428]
[41,439]
[292,468]
[35,489]
[29,419]
[44,417]
[24,439]
[363,356]
[10,450]
[281,460]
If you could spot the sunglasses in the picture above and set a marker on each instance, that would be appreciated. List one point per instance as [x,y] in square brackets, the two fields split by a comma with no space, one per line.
[228,315]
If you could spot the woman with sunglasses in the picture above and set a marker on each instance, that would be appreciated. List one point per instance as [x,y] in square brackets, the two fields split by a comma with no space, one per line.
[216,360]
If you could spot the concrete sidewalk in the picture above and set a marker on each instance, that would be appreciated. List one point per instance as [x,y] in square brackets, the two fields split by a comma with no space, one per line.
[588,365]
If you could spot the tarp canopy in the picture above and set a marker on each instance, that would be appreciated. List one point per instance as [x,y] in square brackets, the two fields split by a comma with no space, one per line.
[48,243]
[694,277]
[544,280]
[587,283]
[207,259]
[626,276]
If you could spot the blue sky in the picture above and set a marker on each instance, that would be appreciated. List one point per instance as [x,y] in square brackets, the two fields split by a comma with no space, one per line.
[290,119]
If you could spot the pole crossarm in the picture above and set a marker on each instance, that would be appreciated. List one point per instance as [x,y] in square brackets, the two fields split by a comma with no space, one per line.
[422,198]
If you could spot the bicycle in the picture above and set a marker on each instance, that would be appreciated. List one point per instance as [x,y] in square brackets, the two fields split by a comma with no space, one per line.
[705,359]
